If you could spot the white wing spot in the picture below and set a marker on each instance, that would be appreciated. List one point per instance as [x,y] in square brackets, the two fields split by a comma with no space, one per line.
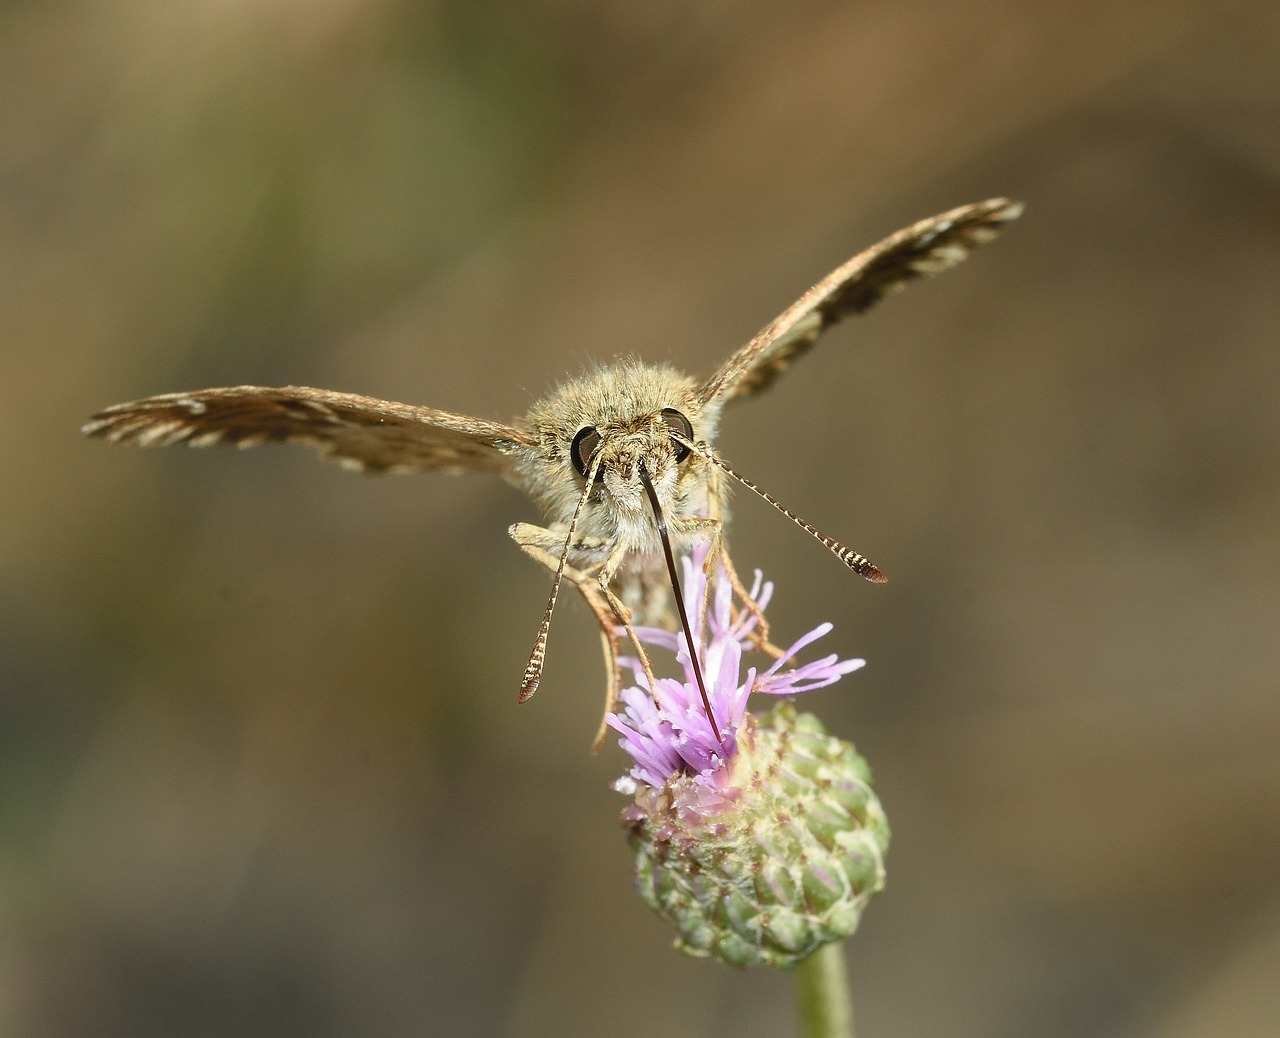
[151,436]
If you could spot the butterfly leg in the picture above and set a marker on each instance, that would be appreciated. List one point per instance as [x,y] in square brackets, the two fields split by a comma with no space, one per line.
[760,635]
[713,529]
[552,543]
[603,581]
[720,553]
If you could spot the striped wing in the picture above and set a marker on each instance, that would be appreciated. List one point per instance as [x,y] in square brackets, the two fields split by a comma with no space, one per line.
[358,432]
[928,247]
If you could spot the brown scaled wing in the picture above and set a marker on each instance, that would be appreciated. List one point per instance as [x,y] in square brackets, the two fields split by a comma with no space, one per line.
[925,248]
[359,432]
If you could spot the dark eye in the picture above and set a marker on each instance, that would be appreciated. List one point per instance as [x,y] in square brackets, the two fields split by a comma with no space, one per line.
[583,449]
[681,426]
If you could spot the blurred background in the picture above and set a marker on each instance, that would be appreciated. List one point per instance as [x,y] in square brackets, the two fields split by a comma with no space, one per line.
[263,768]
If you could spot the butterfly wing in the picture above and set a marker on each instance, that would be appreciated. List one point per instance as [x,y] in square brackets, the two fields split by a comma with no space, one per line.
[928,247]
[359,432]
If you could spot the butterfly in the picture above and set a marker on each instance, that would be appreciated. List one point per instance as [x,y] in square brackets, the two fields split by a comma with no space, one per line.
[620,460]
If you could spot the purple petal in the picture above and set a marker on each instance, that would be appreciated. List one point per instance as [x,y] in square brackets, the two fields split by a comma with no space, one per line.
[668,733]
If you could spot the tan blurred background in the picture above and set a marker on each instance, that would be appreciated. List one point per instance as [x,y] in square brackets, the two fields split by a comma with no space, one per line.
[263,769]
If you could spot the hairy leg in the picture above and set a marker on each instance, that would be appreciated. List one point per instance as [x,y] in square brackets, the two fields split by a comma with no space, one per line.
[543,546]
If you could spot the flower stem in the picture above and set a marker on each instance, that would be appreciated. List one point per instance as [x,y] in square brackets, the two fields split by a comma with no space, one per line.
[822,994]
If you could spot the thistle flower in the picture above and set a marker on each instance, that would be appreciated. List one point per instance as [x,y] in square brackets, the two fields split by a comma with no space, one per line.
[765,843]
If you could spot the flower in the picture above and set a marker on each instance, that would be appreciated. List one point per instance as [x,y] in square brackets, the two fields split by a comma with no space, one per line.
[668,733]
[765,842]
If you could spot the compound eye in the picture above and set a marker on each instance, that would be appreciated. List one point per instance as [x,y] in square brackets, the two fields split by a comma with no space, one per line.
[681,426]
[583,449]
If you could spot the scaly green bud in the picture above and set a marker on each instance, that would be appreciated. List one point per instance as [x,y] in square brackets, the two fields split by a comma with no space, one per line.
[775,858]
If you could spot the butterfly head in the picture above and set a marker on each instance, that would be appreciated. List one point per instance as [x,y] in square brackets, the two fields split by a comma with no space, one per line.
[615,454]
[610,427]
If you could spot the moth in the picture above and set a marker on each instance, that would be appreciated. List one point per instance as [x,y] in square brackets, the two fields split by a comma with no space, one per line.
[620,460]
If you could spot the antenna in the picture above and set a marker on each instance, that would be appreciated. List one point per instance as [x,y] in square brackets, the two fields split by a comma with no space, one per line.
[860,564]
[533,672]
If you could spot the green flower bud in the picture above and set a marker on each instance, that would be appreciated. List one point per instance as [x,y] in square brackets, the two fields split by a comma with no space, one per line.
[774,859]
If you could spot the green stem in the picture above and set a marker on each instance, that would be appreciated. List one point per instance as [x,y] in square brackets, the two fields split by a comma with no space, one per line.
[822,994]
